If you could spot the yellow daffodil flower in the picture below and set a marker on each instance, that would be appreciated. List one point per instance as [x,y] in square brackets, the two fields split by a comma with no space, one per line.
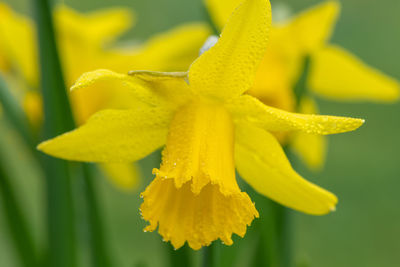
[209,127]
[88,39]
[334,72]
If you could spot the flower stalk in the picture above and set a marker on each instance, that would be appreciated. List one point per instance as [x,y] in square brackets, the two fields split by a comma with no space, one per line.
[208,256]
[100,255]
[58,118]
[180,257]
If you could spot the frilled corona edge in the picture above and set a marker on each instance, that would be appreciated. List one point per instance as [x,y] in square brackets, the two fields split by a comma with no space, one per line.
[198,219]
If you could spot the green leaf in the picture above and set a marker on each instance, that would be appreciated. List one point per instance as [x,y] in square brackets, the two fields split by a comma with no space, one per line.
[100,255]
[57,119]
[18,227]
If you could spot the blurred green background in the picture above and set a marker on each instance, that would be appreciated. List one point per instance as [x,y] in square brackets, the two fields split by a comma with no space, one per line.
[363,167]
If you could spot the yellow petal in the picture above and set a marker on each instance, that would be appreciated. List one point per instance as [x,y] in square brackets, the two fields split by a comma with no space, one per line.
[104,89]
[112,136]
[310,147]
[15,30]
[229,67]
[220,10]
[248,108]
[339,75]
[261,161]
[33,107]
[171,87]
[198,219]
[97,27]
[293,39]
[173,50]
[312,28]
[124,176]
[83,38]
[272,85]
[283,61]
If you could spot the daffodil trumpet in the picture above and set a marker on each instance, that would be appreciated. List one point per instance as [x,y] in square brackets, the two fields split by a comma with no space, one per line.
[209,127]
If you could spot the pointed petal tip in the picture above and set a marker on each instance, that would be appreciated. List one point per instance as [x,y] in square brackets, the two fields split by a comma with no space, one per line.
[88,78]
[331,207]
[395,94]
[40,146]
[330,202]
[46,148]
[343,125]
[358,123]
[43,146]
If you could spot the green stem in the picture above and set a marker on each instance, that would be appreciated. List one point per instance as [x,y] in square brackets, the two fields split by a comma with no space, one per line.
[208,256]
[273,245]
[180,257]
[283,238]
[100,256]
[58,119]
[259,258]
[60,213]
[300,88]
[19,230]
[57,111]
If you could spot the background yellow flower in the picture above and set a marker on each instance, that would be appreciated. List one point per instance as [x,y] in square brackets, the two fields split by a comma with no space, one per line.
[90,40]
[333,72]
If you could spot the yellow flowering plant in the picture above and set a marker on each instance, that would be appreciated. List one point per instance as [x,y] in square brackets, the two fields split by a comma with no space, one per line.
[334,73]
[209,127]
[91,40]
